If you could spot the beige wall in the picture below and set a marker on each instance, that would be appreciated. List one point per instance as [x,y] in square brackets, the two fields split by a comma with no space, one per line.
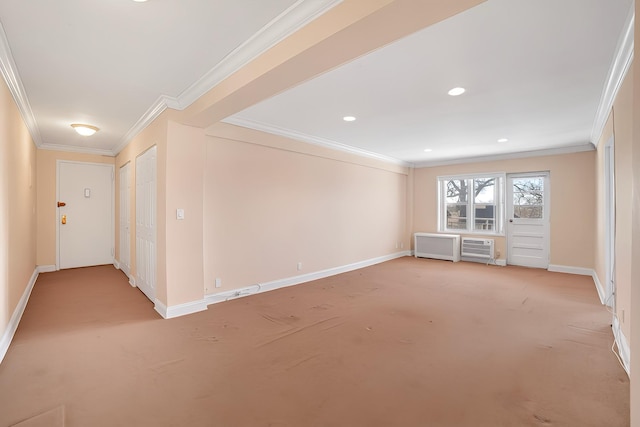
[154,134]
[47,191]
[17,207]
[270,203]
[623,125]
[184,190]
[572,201]
[635,246]
[601,203]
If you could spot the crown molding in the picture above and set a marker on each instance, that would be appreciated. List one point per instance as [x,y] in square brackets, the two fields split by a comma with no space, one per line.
[508,156]
[299,136]
[289,21]
[162,103]
[617,72]
[9,71]
[76,149]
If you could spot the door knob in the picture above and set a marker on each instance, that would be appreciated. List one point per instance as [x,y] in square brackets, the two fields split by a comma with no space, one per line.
[510,220]
[64,219]
[61,204]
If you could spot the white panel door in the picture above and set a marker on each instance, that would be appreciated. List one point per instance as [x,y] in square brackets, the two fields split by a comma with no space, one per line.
[125,219]
[85,214]
[528,219]
[146,223]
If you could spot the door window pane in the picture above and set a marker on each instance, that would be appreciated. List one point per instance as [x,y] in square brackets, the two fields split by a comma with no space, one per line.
[528,197]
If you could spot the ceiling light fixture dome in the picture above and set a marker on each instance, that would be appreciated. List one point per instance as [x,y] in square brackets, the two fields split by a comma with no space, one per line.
[349,118]
[503,140]
[457,91]
[84,130]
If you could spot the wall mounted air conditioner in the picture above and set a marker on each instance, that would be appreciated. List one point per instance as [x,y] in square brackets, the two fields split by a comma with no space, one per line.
[478,248]
[438,246]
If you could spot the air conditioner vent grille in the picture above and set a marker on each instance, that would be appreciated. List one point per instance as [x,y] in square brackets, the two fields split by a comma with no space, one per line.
[478,248]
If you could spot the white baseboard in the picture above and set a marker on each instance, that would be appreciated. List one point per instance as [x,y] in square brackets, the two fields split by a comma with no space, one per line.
[582,272]
[571,270]
[599,288]
[116,264]
[180,309]
[10,331]
[501,262]
[46,268]
[623,345]
[132,281]
[296,280]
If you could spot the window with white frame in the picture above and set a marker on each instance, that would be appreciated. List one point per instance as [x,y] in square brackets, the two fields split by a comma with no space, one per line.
[471,203]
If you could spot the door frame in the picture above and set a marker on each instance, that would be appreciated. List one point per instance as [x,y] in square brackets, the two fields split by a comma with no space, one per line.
[610,223]
[125,267]
[546,212]
[113,204]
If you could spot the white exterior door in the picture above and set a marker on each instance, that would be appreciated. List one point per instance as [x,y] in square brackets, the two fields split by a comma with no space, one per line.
[125,219]
[528,219]
[146,223]
[85,214]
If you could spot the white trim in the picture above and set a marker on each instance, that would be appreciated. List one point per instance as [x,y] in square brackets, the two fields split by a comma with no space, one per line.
[76,149]
[599,288]
[570,270]
[46,268]
[132,281]
[310,139]
[579,148]
[289,21]
[296,280]
[12,326]
[617,72]
[9,71]
[116,264]
[147,118]
[501,262]
[180,309]
[623,345]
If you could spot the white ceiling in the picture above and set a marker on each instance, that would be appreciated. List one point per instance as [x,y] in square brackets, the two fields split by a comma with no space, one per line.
[114,63]
[535,71]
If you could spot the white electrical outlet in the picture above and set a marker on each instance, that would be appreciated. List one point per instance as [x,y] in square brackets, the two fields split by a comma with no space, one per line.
[401,245]
[218,282]
[299,266]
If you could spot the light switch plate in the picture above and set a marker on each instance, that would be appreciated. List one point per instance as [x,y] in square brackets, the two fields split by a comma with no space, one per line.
[179,213]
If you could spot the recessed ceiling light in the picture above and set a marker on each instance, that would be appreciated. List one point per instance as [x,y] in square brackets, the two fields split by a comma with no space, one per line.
[84,130]
[349,118]
[428,150]
[139,1]
[503,140]
[457,91]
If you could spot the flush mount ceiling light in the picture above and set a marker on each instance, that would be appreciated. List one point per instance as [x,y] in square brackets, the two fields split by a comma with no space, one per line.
[503,140]
[428,150]
[139,1]
[349,119]
[84,130]
[457,91]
